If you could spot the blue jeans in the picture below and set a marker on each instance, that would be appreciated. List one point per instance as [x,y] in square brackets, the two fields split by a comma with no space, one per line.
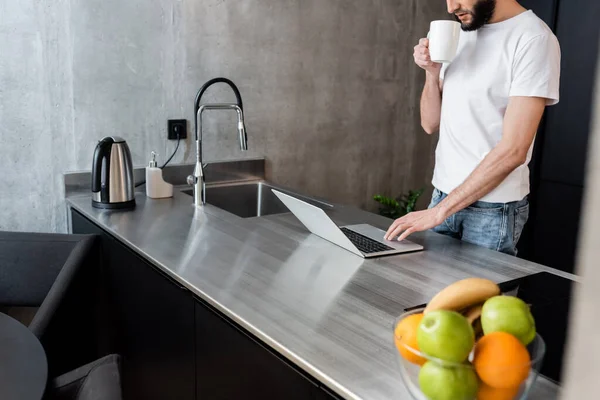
[497,226]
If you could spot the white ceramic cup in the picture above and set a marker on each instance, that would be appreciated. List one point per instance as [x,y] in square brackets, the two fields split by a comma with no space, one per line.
[443,40]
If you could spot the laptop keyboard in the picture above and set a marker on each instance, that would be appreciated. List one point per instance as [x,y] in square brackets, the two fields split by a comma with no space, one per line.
[365,244]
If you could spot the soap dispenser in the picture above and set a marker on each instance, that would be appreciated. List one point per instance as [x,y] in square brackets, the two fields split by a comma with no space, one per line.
[156,187]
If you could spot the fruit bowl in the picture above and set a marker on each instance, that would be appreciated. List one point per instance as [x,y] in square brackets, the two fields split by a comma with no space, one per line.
[462,381]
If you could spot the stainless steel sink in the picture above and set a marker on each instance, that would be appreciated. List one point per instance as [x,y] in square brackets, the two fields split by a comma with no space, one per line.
[249,200]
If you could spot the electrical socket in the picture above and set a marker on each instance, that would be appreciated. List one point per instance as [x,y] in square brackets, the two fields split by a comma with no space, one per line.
[175,126]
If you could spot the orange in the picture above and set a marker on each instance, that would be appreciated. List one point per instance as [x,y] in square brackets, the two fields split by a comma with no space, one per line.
[489,393]
[405,335]
[501,360]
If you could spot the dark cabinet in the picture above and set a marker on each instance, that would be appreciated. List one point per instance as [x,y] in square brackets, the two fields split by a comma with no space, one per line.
[80,224]
[558,166]
[233,365]
[152,320]
[568,123]
[175,346]
[557,225]
[325,394]
[157,325]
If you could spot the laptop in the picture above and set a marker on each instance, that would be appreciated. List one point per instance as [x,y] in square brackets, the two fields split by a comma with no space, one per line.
[363,240]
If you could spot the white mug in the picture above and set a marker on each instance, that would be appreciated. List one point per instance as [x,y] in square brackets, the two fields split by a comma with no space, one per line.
[443,40]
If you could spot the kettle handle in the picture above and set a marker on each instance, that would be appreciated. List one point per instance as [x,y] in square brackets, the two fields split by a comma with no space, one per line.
[101,153]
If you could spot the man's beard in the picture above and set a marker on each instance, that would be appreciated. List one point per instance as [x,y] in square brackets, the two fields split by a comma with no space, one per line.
[482,12]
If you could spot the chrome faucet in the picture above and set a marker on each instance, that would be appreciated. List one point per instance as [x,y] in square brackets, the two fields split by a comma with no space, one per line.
[197,178]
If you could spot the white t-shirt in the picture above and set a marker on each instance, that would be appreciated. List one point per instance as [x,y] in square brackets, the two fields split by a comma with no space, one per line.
[516,57]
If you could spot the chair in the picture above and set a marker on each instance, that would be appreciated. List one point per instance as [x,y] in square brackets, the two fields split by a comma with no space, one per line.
[59,274]
[99,380]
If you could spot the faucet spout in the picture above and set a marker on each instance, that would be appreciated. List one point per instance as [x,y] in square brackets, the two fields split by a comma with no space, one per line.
[197,180]
[243,136]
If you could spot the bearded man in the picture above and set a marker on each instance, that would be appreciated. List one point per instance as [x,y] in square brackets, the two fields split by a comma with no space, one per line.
[487,105]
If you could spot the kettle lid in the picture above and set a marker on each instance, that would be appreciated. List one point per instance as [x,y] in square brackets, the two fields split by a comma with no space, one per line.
[115,139]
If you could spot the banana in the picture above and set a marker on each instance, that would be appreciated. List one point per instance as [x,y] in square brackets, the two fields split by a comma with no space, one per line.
[463,294]
[473,313]
[477,329]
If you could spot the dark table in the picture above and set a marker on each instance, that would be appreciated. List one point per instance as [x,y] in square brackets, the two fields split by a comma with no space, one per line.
[23,365]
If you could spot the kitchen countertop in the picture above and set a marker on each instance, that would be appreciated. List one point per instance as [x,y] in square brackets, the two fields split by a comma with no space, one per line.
[323,308]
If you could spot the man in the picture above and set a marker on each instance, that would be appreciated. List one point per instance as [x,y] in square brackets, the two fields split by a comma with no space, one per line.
[487,105]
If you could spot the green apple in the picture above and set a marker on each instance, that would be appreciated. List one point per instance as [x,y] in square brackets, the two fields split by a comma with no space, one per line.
[448,383]
[508,314]
[446,335]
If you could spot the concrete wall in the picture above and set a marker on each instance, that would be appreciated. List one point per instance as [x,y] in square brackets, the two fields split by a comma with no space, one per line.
[330,91]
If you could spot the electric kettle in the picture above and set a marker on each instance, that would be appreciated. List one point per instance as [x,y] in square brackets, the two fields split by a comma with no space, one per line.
[112,175]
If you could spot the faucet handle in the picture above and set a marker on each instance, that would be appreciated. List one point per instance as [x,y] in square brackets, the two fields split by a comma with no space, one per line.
[191,180]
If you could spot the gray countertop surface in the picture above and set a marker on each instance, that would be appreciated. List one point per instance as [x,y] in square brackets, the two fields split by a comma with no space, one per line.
[323,308]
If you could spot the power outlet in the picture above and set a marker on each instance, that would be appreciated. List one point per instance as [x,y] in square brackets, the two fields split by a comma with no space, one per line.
[177,126]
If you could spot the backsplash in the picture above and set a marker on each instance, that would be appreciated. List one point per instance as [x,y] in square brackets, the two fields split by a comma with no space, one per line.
[329,88]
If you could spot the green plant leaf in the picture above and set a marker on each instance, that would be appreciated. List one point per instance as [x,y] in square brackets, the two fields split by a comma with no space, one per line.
[386,201]
[400,206]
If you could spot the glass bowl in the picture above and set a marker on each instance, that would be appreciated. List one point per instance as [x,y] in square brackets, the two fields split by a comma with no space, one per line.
[410,371]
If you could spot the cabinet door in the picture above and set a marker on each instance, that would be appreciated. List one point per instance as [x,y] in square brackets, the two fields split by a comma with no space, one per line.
[556,220]
[568,123]
[230,364]
[324,393]
[153,321]
[81,225]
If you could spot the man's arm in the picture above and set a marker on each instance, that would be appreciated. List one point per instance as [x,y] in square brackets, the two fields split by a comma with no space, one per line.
[431,103]
[431,99]
[521,122]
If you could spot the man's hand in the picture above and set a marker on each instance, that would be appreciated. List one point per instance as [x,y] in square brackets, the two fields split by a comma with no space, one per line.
[415,222]
[423,58]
